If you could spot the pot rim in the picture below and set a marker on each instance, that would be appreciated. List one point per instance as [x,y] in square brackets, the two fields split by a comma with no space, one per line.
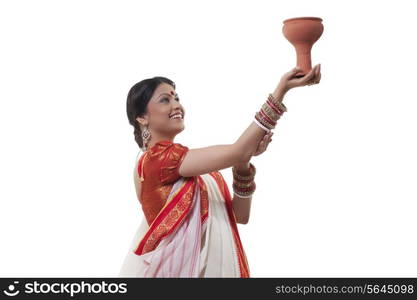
[303,18]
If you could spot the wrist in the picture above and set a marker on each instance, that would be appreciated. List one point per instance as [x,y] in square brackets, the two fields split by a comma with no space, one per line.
[279,93]
[243,168]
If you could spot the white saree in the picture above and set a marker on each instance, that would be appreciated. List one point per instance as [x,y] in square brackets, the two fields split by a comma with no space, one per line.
[195,248]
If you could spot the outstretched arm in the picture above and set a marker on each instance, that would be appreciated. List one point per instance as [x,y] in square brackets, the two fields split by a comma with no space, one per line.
[200,161]
[213,158]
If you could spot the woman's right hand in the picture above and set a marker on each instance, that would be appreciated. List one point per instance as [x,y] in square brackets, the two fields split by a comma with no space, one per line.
[263,144]
[289,79]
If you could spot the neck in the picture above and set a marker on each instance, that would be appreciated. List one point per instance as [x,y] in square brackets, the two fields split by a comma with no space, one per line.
[154,140]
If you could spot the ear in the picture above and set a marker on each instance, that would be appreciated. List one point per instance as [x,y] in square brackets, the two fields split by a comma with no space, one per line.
[142,120]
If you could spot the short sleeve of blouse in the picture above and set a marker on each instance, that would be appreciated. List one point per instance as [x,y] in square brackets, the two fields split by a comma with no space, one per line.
[172,156]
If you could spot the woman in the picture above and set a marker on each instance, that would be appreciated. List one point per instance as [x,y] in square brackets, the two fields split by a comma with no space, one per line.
[189,224]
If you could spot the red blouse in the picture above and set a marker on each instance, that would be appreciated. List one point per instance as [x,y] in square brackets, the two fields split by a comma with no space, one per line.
[159,167]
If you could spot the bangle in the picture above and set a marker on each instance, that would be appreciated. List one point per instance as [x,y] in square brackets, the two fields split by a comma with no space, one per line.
[245,192]
[242,196]
[270,112]
[241,184]
[278,103]
[244,185]
[238,176]
[262,126]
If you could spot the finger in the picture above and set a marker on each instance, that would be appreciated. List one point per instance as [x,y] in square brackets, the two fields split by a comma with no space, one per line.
[295,70]
[318,73]
[315,70]
[315,77]
[319,77]
[310,74]
[266,145]
[268,141]
[261,147]
[267,136]
[261,143]
[307,78]
[292,72]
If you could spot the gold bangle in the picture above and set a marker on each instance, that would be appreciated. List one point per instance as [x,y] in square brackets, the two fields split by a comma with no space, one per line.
[263,121]
[271,114]
[280,105]
[243,185]
[238,176]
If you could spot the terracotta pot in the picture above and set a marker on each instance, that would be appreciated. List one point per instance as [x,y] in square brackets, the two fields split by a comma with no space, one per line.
[302,33]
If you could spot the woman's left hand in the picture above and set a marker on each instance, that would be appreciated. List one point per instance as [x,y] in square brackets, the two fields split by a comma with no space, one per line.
[263,144]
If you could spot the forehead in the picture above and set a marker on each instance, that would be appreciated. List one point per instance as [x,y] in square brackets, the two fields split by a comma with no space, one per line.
[164,88]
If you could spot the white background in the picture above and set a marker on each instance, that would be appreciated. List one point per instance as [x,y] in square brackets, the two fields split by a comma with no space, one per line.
[336,193]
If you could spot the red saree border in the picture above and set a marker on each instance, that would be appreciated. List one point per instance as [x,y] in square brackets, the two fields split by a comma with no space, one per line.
[204,207]
[169,218]
[243,262]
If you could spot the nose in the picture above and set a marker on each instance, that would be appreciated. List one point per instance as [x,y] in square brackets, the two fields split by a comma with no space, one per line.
[176,104]
[177,107]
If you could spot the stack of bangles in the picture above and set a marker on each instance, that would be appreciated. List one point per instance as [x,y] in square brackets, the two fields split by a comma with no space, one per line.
[269,114]
[244,186]
[266,118]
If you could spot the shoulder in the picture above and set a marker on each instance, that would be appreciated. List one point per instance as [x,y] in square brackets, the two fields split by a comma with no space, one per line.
[164,159]
[163,146]
[167,151]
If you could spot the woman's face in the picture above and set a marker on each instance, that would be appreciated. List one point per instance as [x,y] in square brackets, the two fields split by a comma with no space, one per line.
[164,104]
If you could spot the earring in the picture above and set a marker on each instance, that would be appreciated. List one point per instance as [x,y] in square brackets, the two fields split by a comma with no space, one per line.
[146,135]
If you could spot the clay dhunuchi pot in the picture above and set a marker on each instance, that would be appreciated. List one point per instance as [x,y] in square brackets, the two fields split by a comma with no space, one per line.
[302,33]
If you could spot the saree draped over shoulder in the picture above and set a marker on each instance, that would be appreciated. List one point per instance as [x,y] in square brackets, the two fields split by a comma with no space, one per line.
[189,228]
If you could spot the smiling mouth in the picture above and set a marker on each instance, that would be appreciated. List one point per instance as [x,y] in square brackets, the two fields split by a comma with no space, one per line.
[178,116]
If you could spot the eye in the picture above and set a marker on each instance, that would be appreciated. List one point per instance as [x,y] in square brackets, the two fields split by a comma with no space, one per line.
[167,99]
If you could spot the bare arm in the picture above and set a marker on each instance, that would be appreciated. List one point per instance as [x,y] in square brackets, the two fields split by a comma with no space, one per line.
[241,207]
[213,158]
